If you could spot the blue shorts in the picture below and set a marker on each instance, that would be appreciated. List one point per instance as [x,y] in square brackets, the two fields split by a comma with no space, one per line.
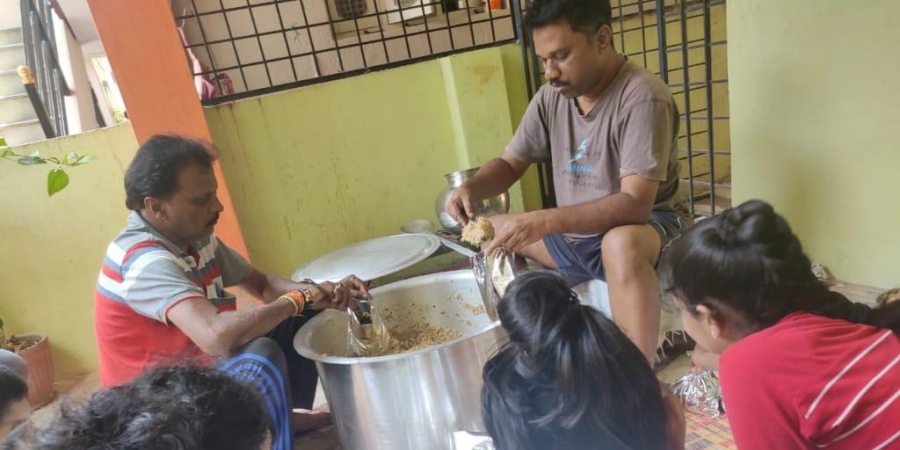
[261,364]
[579,260]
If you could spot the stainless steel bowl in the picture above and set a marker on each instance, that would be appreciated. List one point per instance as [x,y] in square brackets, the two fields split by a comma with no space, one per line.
[498,204]
[414,400]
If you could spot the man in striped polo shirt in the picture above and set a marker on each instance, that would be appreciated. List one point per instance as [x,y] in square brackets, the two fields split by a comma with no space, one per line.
[161,298]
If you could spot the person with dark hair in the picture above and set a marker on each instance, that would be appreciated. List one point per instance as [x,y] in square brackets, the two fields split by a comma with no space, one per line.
[180,407]
[801,367]
[570,379]
[609,127]
[161,293]
[14,407]
[14,362]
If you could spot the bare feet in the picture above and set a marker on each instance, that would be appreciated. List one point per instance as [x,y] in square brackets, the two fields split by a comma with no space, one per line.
[303,420]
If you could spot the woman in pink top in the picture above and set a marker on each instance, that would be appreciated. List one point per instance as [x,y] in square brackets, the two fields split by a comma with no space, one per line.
[801,367]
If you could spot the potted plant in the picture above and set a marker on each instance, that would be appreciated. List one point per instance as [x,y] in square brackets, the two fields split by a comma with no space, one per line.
[34,348]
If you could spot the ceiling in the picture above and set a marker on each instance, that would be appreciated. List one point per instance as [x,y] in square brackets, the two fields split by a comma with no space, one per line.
[79,16]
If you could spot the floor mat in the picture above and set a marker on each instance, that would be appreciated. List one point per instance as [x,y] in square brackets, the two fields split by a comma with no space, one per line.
[704,433]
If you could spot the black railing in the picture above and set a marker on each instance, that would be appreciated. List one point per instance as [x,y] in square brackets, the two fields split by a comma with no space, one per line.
[49,89]
[249,48]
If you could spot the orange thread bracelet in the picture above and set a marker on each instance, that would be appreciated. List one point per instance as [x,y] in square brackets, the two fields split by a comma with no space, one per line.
[298,299]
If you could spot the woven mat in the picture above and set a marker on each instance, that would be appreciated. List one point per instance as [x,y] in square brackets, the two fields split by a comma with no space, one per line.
[704,433]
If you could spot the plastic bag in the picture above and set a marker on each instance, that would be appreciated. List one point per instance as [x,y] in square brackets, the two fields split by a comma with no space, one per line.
[493,273]
[700,393]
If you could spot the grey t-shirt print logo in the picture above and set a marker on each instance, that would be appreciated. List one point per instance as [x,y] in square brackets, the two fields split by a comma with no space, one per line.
[580,153]
[582,149]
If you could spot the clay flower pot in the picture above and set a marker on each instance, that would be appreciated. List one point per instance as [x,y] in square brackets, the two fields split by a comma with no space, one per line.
[40,367]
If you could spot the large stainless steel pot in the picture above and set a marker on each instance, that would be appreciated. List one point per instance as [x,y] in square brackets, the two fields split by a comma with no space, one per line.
[413,400]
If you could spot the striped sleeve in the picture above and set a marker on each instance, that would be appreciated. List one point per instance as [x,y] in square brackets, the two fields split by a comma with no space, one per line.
[154,280]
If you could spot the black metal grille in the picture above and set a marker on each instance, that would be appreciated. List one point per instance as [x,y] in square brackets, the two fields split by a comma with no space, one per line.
[251,47]
[686,38]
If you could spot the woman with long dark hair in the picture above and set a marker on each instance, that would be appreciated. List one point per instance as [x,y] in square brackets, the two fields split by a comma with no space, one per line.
[801,367]
[570,379]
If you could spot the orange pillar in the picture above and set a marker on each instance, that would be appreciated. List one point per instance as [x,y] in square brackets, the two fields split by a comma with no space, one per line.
[151,69]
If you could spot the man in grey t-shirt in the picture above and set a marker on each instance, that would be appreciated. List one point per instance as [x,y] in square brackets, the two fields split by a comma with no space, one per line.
[609,127]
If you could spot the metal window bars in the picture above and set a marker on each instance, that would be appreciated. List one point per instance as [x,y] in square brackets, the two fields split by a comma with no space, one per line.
[251,47]
[688,50]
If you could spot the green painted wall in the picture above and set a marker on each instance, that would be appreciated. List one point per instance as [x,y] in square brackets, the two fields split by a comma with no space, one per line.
[52,248]
[317,168]
[815,102]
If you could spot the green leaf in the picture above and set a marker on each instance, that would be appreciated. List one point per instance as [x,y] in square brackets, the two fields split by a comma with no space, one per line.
[57,180]
[70,158]
[2,144]
[31,160]
[5,153]
[84,160]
